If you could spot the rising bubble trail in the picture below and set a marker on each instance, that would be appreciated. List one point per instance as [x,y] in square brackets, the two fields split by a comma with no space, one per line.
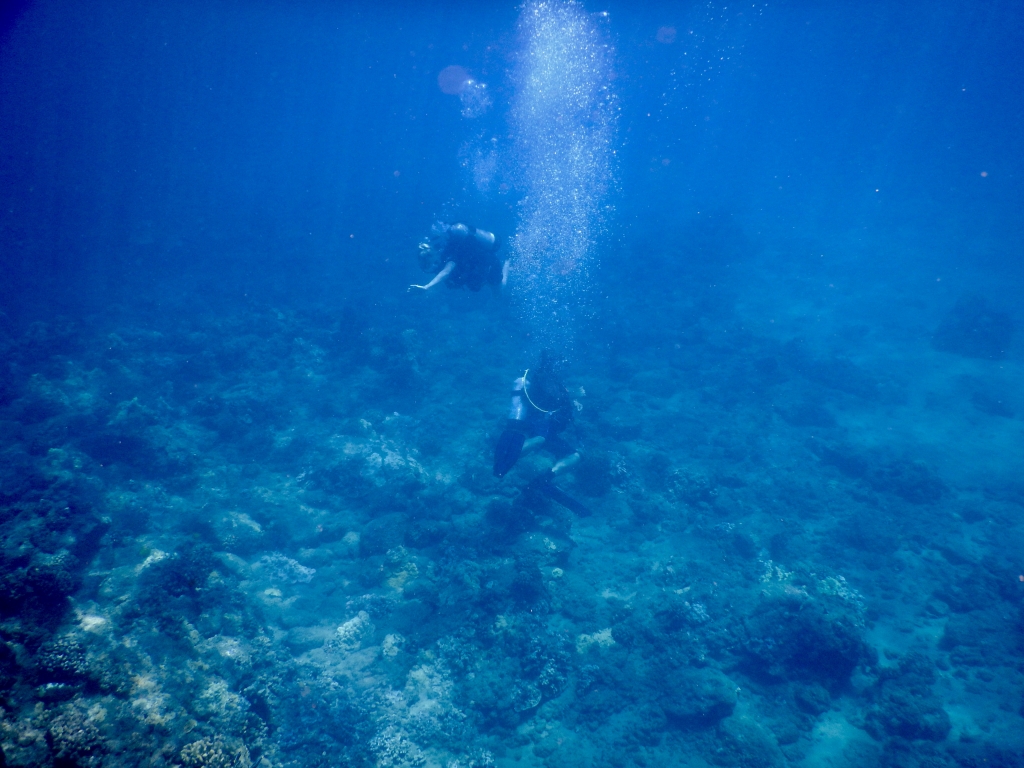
[563,121]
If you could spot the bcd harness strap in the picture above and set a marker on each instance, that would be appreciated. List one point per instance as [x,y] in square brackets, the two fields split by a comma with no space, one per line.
[525,373]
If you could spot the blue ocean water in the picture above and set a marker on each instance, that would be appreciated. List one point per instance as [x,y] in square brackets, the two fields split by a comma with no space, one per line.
[754,291]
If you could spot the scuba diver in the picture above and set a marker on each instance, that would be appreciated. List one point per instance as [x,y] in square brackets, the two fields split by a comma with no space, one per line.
[462,255]
[541,409]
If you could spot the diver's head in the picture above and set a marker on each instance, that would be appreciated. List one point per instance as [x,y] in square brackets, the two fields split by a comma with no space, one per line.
[551,364]
[439,233]
[427,257]
[436,241]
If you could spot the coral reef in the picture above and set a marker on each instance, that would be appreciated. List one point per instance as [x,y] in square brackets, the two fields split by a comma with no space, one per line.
[973,328]
[271,539]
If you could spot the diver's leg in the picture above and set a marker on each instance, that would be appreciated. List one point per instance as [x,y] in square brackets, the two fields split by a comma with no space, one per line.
[563,464]
[565,454]
[533,444]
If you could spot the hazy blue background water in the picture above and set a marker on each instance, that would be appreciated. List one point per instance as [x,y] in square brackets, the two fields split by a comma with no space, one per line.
[281,149]
[237,439]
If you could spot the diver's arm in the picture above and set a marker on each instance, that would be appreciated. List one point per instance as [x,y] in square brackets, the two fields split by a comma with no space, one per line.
[437,278]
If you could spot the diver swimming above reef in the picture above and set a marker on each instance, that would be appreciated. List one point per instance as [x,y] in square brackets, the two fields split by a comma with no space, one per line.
[462,255]
[541,409]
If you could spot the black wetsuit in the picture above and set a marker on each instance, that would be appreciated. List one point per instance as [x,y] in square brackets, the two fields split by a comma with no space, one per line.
[549,412]
[475,254]
[541,407]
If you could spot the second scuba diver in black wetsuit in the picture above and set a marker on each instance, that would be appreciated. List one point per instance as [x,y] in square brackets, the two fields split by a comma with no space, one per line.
[462,255]
[541,410]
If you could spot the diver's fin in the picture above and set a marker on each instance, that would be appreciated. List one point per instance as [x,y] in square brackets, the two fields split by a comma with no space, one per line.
[556,494]
[507,452]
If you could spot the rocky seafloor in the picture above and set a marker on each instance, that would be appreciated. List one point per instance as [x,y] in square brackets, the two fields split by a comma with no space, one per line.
[271,537]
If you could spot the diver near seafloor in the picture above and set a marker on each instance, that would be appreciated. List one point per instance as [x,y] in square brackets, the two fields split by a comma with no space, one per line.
[541,410]
[462,255]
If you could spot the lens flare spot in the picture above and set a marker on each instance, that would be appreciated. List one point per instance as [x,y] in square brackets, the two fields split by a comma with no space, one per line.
[666,35]
[452,80]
